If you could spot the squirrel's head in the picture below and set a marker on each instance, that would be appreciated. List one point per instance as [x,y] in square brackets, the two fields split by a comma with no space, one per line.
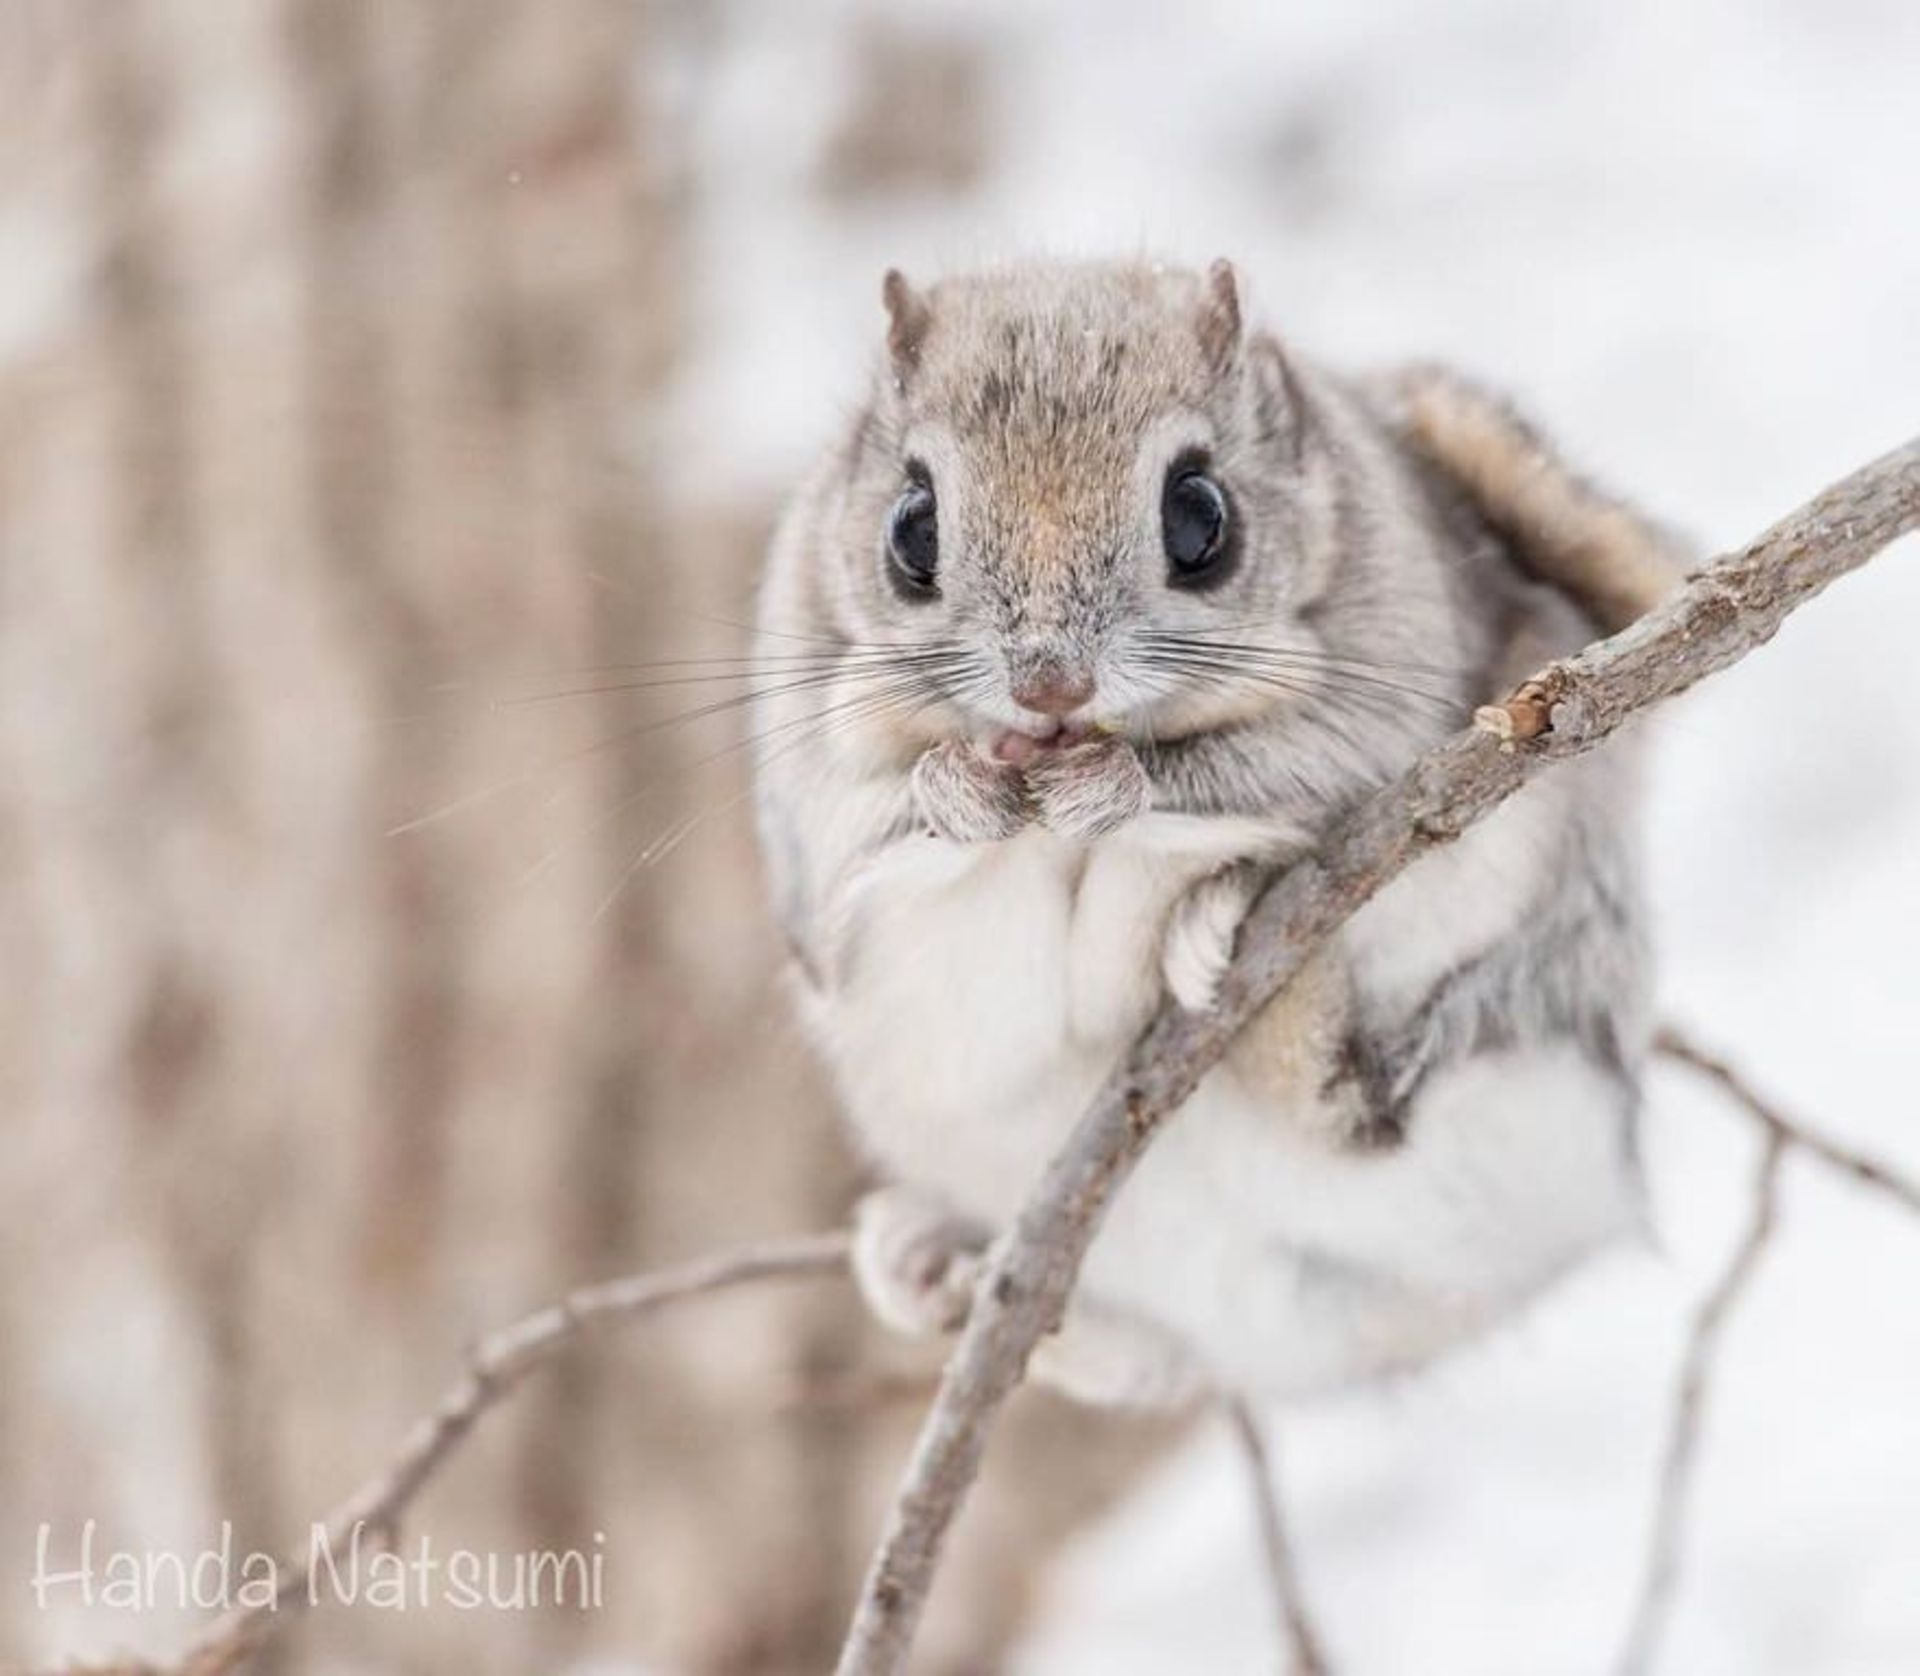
[1084,489]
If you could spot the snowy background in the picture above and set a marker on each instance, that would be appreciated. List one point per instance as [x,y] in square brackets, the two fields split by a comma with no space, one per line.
[1688,236]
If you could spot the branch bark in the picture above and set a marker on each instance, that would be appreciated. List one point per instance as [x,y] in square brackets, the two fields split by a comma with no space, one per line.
[1722,613]
[498,1365]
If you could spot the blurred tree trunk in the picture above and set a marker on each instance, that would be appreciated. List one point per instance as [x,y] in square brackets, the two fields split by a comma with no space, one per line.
[331,412]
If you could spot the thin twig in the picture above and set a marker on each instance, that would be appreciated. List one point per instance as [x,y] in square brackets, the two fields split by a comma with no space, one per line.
[855,1393]
[1302,1654]
[499,1363]
[1682,1050]
[1721,614]
[1664,1546]
[1660,1579]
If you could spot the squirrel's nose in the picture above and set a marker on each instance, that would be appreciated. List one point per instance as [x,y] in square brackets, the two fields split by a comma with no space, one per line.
[1051,688]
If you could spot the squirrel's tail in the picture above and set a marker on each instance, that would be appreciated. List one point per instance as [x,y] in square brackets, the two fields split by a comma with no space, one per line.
[1615,563]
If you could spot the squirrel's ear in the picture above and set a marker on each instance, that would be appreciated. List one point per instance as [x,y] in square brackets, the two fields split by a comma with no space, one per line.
[1279,400]
[1220,315]
[908,317]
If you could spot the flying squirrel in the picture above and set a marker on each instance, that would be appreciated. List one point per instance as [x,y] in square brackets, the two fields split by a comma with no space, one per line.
[1100,610]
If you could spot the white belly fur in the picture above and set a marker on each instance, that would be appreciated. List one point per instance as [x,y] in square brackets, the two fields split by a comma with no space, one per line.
[983,992]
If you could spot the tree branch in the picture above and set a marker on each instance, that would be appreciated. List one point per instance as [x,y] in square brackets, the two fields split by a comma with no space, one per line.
[1682,1050]
[1662,1574]
[499,1363]
[1299,1641]
[1722,613]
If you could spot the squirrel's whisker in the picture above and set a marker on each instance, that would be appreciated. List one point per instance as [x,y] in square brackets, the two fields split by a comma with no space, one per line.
[474,799]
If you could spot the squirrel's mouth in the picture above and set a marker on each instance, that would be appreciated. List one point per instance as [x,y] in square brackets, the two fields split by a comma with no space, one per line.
[1021,746]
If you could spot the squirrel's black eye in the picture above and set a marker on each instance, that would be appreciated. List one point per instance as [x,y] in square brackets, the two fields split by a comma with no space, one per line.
[1195,528]
[913,541]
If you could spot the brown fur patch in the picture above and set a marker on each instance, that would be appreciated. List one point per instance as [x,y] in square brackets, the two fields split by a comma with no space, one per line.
[1294,1045]
[1613,562]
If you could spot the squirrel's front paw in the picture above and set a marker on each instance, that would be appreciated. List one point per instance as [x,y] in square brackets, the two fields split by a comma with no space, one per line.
[1200,936]
[963,796]
[915,1261]
[1087,790]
